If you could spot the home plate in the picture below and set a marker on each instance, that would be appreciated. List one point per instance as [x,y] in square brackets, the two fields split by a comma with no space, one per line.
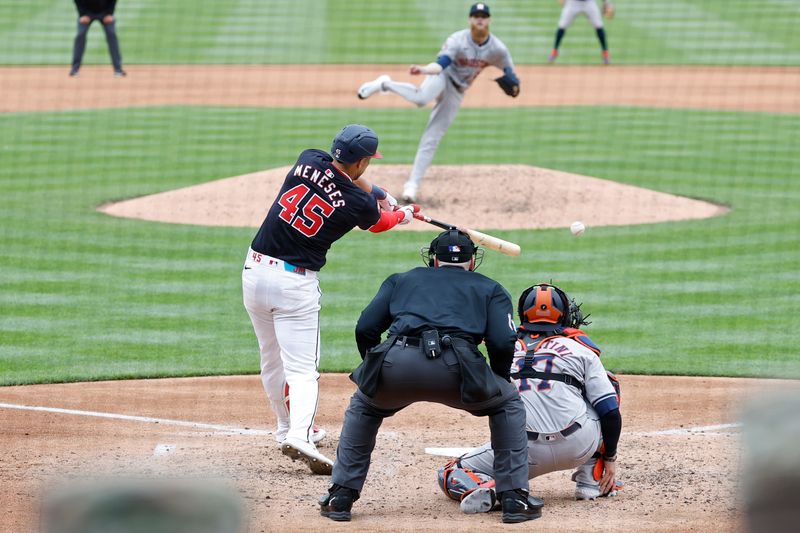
[164,449]
[448,452]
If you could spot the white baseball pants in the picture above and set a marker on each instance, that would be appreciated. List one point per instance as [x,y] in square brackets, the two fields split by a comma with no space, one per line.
[572,8]
[284,309]
[448,101]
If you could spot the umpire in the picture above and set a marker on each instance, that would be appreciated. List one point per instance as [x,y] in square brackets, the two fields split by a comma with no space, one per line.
[436,317]
[88,12]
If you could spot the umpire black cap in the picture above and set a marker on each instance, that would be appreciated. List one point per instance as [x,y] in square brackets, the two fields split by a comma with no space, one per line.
[355,142]
[452,246]
[480,7]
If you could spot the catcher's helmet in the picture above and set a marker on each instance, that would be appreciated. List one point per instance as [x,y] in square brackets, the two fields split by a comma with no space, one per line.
[545,307]
[452,247]
[355,142]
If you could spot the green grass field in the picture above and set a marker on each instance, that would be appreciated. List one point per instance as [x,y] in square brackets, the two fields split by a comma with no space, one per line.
[87,296]
[719,32]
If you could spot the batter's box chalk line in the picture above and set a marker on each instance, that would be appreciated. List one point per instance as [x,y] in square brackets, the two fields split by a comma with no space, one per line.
[217,428]
[698,430]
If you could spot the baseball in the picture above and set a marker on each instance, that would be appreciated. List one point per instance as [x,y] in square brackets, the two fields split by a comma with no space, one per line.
[577,228]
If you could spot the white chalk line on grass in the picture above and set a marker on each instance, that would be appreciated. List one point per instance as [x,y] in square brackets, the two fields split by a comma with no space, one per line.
[147,419]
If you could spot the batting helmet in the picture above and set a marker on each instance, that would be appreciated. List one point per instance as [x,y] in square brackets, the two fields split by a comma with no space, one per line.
[355,142]
[545,307]
[452,247]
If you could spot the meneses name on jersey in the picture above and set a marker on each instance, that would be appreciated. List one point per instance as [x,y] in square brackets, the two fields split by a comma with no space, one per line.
[323,179]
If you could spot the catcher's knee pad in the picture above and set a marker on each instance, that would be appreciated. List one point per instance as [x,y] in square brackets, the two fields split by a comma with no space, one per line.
[457,482]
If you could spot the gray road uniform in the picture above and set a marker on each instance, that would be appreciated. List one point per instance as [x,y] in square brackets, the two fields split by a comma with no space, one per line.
[462,59]
[562,420]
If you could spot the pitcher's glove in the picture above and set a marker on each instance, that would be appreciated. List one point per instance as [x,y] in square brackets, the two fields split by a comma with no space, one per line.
[509,83]
[608,9]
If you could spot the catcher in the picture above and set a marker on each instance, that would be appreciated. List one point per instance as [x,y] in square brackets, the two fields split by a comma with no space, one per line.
[571,9]
[571,404]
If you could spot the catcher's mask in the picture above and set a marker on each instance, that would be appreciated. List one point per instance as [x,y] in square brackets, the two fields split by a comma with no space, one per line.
[545,307]
[452,248]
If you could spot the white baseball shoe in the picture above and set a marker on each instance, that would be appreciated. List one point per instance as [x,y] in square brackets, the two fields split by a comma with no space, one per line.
[480,500]
[317,434]
[300,450]
[371,87]
[586,492]
[409,195]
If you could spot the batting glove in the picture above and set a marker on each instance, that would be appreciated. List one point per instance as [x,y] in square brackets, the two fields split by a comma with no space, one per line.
[389,203]
[408,213]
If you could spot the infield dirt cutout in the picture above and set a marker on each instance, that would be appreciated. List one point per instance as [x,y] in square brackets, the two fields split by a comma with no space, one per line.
[482,196]
[678,476]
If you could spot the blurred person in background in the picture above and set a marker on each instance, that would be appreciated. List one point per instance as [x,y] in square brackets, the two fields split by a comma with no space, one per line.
[88,12]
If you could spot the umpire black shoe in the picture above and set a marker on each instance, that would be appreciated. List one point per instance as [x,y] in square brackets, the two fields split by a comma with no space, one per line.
[337,504]
[518,506]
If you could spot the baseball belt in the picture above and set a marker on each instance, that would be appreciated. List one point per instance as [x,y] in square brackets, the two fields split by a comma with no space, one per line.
[533,435]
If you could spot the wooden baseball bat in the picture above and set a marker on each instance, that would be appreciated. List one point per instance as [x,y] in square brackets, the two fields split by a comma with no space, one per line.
[487,241]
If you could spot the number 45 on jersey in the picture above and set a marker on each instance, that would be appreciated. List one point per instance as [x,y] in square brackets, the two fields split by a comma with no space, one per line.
[309,218]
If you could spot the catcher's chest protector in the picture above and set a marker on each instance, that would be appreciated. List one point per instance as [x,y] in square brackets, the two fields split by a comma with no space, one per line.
[534,341]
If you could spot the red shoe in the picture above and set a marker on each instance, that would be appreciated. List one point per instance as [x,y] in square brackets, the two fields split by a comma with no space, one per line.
[606,59]
[553,56]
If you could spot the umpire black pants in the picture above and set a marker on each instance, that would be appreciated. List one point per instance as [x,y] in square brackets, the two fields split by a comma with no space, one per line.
[111,39]
[407,376]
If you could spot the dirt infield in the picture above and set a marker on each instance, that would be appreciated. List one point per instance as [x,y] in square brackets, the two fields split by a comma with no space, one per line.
[772,89]
[678,477]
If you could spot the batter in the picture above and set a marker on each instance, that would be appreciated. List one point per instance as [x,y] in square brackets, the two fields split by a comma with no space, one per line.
[323,197]
[463,56]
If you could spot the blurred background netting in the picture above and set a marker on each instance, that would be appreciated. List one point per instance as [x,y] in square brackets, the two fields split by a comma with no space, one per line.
[701,100]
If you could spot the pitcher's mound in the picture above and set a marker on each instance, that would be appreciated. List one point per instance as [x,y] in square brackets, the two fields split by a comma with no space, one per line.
[478,196]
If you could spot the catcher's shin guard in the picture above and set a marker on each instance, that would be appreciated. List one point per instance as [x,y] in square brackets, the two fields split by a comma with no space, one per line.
[457,482]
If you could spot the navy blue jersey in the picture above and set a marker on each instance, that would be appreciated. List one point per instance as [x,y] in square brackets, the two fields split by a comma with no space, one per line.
[316,206]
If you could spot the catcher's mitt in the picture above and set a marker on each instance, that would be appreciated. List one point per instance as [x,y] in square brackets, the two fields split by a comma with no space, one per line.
[509,83]
[608,9]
